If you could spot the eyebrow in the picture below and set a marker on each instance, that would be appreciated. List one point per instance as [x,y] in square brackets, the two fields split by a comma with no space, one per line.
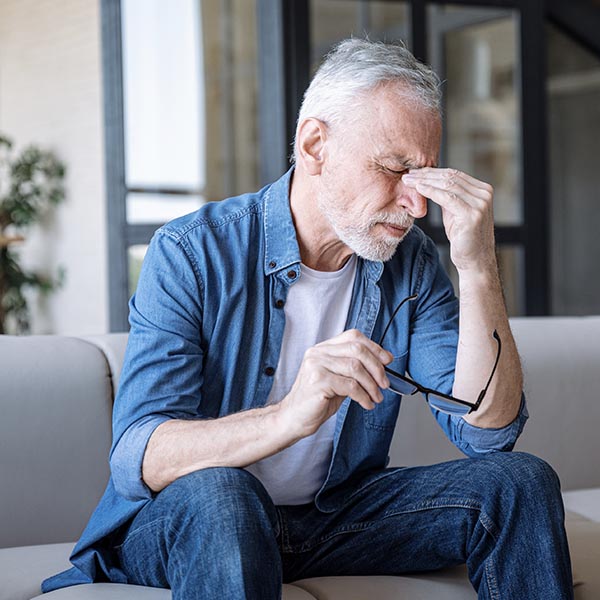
[404,161]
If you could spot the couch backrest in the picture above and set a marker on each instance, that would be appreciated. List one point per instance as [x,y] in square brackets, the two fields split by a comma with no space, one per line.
[56,398]
[55,431]
[561,363]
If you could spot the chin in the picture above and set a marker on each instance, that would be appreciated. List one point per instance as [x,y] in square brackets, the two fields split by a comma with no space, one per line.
[389,256]
[380,254]
[374,247]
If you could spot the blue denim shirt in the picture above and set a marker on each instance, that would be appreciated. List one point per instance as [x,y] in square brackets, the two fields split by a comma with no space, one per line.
[207,326]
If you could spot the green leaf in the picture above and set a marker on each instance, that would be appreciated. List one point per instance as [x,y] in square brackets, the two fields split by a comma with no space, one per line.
[30,185]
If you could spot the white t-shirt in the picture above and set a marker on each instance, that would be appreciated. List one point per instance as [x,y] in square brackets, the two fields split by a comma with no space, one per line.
[316,309]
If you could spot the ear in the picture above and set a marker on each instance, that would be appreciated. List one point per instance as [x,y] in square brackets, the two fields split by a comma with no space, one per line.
[310,145]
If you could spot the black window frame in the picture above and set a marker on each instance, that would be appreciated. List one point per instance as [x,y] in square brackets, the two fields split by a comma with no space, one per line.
[291,40]
[121,234]
[283,28]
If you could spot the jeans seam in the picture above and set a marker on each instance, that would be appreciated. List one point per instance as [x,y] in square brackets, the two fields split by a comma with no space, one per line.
[435,504]
[490,578]
[489,567]
[132,534]
[488,525]
[285,539]
[308,545]
[357,527]
[359,490]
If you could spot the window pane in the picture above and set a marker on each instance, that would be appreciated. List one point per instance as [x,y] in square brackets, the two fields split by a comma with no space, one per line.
[164,94]
[511,262]
[230,73]
[335,20]
[574,127]
[190,85]
[512,273]
[160,208]
[444,252]
[135,257]
[475,51]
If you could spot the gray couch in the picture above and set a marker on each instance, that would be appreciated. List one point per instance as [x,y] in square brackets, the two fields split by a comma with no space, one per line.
[56,395]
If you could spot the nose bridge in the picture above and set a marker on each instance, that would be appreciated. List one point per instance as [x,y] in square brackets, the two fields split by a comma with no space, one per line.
[409,199]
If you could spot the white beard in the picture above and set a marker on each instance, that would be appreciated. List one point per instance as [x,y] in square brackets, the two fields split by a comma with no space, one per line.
[360,238]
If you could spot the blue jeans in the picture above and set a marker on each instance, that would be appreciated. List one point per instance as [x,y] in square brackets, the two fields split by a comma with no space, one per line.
[216,533]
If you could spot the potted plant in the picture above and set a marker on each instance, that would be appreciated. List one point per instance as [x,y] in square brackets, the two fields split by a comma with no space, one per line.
[30,185]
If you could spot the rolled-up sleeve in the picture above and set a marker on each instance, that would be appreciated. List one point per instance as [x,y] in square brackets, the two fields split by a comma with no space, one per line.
[477,441]
[162,370]
[128,455]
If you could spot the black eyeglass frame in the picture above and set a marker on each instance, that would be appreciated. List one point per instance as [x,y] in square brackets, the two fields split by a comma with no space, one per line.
[425,390]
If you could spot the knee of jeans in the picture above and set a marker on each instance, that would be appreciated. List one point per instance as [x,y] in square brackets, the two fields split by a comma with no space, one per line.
[224,492]
[525,473]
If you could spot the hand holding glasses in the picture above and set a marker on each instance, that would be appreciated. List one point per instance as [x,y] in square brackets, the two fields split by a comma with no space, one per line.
[403,385]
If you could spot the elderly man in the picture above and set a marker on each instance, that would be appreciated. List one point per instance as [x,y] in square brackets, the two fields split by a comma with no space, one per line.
[272,337]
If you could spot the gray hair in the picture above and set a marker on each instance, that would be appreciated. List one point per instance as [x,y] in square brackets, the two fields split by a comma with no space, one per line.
[356,66]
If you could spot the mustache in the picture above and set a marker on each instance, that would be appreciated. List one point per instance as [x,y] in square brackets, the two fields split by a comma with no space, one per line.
[403,220]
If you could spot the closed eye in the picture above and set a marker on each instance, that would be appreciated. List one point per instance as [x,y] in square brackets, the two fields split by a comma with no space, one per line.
[395,172]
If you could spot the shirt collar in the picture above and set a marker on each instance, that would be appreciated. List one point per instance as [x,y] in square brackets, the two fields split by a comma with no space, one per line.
[374,269]
[281,244]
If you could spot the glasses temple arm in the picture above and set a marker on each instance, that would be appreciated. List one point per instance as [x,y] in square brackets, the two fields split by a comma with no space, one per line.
[487,385]
[413,297]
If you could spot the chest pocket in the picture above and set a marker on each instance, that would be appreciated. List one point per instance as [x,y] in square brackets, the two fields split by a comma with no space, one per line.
[383,417]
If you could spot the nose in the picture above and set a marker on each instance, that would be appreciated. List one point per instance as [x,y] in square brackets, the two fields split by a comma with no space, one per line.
[412,202]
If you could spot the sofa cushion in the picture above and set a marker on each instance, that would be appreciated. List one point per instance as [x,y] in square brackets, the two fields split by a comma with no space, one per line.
[113,347]
[55,432]
[584,544]
[115,591]
[109,591]
[23,569]
[450,584]
[560,361]
[584,502]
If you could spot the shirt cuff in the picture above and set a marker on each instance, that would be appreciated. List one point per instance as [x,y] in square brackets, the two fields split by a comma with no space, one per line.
[475,441]
[127,456]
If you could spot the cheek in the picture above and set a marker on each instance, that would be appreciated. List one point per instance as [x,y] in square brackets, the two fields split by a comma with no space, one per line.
[360,194]
[382,193]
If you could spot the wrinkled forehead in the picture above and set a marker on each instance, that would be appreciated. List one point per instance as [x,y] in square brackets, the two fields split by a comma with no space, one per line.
[390,122]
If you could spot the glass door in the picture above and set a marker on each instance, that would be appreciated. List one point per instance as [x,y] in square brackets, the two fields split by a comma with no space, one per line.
[475,50]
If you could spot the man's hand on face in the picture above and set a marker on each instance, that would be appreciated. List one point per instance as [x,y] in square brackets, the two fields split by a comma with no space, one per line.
[349,364]
[467,213]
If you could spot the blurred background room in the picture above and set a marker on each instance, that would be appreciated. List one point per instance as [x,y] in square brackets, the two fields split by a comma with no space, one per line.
[158,106]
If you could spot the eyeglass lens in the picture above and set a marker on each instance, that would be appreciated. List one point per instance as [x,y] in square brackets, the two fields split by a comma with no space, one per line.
[446,405]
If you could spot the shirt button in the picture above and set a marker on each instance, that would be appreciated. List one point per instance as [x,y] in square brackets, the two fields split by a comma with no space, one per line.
[291,274]
[279,303]
[272,264]
[270,371]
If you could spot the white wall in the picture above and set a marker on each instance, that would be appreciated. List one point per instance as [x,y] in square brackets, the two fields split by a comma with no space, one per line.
[51,95]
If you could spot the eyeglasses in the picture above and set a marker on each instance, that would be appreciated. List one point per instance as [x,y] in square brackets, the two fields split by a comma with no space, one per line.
[403,385]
